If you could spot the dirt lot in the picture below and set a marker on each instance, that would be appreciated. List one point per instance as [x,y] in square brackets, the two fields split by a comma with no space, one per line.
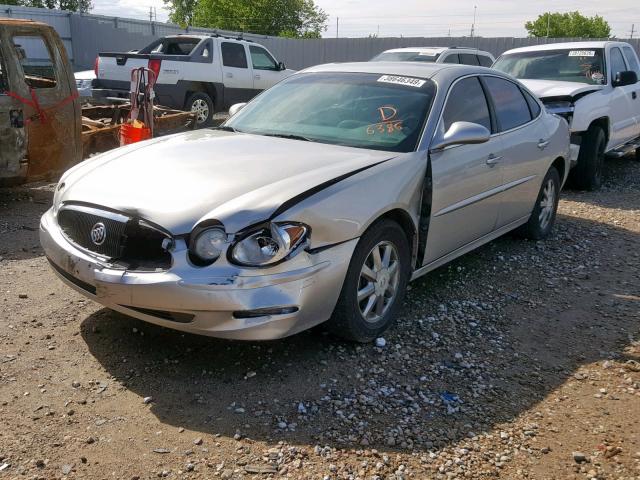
[516,361]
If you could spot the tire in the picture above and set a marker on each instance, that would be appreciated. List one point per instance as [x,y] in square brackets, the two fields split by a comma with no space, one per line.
[587,174]
[202,104]
[543,216]
[348,320]
[638,154]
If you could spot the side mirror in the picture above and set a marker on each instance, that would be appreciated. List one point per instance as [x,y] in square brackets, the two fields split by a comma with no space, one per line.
[236,108]
[462,133]
[281,66]
[628,77]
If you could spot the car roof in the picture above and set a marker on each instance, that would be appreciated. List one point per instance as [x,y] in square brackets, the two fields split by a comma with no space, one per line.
[433,50]
[565,45]
[409,69]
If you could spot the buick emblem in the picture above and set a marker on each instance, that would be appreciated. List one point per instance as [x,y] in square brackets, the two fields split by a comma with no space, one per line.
[98,233]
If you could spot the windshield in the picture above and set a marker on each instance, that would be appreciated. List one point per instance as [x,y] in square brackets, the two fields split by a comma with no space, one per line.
[381,112]
[566,65]
[406,57]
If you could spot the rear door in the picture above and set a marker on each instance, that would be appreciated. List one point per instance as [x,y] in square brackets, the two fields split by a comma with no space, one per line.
[266,71]
[524,141]
[466,178]
[13,150]
[632,64]
[49,103]
[236,72]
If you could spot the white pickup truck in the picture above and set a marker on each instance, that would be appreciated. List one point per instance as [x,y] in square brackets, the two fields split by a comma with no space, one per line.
[594,86]
[201,73]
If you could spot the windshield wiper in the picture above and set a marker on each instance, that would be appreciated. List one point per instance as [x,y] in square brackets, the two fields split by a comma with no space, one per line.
[289,136]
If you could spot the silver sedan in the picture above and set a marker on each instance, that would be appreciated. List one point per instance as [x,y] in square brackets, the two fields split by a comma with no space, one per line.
[316,202]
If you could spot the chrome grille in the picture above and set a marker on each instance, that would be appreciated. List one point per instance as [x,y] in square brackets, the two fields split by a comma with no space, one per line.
[128,242]
[77,223]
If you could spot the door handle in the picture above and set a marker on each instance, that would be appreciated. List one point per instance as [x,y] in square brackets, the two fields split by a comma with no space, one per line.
[492,160]
[542,144]
[257,77]
[229,75]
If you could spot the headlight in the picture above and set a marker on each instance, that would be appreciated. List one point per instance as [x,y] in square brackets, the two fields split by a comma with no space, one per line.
[208,244]
[270,244]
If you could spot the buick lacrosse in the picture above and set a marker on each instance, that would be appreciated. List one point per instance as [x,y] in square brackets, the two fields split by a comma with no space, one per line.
[316,202]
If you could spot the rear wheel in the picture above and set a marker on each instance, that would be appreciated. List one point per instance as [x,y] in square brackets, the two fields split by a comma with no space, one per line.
[587,174]
[201,104]
[543,216]
[375,284]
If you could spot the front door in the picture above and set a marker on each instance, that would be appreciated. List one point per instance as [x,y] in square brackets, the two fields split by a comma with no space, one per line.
[623,122]
[266,72]
[46,94]
[466,178]
[236,74]
[13,151]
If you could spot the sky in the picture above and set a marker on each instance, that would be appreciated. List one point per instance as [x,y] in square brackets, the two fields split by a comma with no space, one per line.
[428,18]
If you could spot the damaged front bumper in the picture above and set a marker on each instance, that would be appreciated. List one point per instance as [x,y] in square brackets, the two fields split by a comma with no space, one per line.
[220,300]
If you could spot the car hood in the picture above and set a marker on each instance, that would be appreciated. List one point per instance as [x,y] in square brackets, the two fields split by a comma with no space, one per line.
[238,179]
[552,88]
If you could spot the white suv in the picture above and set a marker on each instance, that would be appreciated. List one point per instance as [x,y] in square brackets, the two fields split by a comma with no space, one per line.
[464,56]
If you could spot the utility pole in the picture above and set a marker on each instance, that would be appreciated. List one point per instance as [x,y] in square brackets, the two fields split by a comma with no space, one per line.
[548,23]
[473,25]
[150,14]
[337,26]
[633,28]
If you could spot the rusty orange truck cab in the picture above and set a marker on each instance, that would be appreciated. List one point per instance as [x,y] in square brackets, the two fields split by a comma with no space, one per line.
[40,118]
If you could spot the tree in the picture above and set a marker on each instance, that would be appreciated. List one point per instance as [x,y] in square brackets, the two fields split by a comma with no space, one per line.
[572,24]
[291,18]
[82,6]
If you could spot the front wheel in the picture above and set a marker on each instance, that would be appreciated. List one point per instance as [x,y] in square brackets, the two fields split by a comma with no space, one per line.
[543,216]
[201,104]
[587,174]
[375,284]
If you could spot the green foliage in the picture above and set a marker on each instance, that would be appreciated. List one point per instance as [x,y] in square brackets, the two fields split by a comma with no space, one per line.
[82,6]
[572,24]
[290,18]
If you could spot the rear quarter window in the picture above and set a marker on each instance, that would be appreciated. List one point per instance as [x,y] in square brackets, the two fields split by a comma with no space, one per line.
[469,59]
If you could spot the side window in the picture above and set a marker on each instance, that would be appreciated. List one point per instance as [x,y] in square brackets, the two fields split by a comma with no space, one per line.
[632,61]
[452,58]
[35,58]
[261,59]
[534,107]
[511,107]
[485,61]
[617,62]
[467,103]
[233,55]
[468,59]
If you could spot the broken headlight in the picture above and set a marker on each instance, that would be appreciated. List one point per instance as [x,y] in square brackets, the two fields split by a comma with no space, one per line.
[269,245]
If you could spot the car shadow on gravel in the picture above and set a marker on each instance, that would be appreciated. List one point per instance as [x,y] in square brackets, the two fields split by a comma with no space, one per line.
[478,343]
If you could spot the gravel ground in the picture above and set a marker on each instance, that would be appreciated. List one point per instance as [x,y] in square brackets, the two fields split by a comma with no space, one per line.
[519,360]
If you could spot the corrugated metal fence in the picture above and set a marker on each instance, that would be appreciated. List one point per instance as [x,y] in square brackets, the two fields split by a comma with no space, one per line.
[85,35]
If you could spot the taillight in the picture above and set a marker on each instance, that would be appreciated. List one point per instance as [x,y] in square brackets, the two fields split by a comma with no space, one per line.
[96,64]
[154,66]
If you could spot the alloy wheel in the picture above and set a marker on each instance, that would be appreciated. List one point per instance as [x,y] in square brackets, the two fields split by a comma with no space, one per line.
[201,109]
[547,204]
[378,282]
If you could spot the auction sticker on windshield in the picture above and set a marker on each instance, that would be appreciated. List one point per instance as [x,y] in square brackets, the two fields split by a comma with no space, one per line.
[408,81]
[582,53]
